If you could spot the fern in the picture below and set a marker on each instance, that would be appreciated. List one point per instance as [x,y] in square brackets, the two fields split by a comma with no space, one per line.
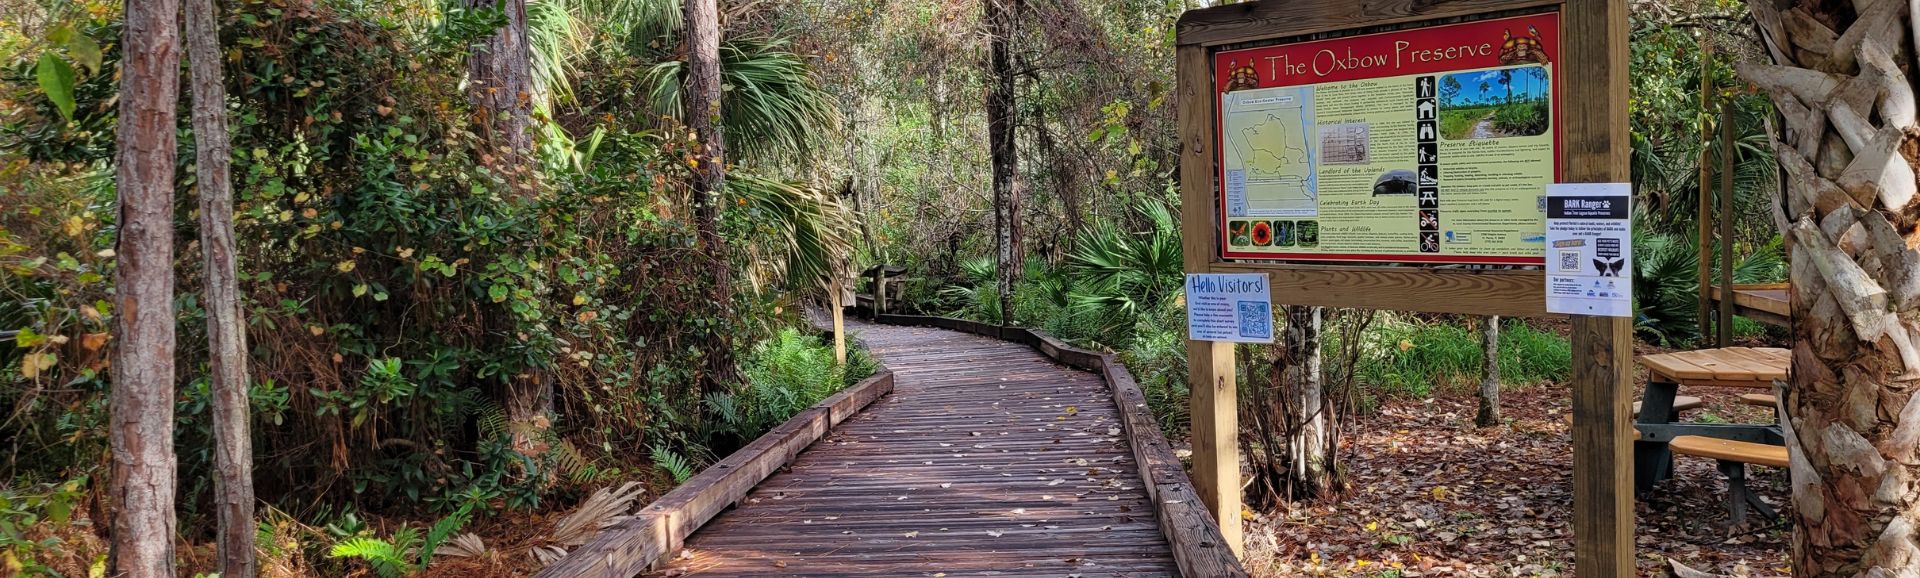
[440,531]
[491,419]
[388,558]
[673,463]
[725,407]
[576,465]
[406,552]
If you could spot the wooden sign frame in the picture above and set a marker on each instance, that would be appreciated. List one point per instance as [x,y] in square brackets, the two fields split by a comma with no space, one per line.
[1593,149]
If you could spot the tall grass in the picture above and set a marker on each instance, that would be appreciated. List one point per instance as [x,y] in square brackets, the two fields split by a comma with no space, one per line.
[1412,357]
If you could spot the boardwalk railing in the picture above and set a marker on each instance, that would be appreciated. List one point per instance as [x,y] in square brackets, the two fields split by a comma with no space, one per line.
[1198,547]
[629,547]
[660,529]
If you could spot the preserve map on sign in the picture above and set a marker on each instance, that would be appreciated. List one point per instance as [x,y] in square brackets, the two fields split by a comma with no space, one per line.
[1270,162]
[1429,145]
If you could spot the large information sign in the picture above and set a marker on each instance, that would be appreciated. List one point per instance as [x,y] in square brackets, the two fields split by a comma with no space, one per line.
[1430,145]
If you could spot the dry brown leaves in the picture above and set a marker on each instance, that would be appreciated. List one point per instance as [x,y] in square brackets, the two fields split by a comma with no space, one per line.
[1432,495]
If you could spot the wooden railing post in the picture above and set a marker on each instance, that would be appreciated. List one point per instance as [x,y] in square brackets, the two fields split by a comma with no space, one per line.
[1597,152]
[836,298]
[879,290]
[1210,368]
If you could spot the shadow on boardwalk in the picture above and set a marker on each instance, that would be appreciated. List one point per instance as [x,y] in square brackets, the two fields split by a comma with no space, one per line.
[987,459]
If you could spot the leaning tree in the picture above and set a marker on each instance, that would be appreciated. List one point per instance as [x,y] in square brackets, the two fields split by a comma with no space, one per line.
[1840,76]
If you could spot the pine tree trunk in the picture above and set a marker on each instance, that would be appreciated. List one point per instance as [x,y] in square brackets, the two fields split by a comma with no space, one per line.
[709,183]
[1852,419]
[226,328]
[1310,442]
[1000,145]
[500,80]
[1489,372]
[141,432]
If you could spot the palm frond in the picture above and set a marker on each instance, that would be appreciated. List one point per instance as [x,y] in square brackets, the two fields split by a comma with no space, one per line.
[771,106]
[805,232]
[554,39]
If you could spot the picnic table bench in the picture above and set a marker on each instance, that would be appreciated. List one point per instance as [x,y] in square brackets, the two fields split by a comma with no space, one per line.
[1731,458]
[1749,367]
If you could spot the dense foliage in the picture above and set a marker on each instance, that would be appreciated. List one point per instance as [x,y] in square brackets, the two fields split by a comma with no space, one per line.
[400,273]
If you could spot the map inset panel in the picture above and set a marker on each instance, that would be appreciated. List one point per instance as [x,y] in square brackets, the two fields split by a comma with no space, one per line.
[1344,144]
[1270,165]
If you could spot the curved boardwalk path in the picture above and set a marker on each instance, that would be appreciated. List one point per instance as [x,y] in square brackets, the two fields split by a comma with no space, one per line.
[987,459]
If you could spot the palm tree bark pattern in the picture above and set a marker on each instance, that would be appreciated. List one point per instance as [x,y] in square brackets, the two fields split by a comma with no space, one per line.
[1853,419]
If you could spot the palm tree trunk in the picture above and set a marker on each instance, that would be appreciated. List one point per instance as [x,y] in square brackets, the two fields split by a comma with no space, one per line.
[226,328]
[709,182]
[1000,143]
[141,433]
[1489,372]
[1852,419]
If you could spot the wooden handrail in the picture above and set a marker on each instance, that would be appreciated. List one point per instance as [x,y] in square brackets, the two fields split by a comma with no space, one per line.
[662,527]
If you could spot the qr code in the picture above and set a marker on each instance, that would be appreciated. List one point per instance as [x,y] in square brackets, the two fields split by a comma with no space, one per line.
[1256,320]
[1569,261]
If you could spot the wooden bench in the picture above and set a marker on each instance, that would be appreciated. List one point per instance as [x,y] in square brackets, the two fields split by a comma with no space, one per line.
[1759,399]
[1764,302]
[1733,457]
[1746,367]
[1681,403]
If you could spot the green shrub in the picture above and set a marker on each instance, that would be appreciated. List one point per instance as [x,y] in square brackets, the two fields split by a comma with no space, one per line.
[784,375]
[1157,357]
[1411,357]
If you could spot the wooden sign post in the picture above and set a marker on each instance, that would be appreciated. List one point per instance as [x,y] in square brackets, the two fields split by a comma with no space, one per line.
[1393,155]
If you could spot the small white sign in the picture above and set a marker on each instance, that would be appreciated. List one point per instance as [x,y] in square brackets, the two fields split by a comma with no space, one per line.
[1236,308]
[1590,249]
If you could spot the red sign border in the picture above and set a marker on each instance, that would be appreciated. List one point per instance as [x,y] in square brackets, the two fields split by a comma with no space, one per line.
[1225,251]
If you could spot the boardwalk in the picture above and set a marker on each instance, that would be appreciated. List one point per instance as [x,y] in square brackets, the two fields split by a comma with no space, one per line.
[987,460]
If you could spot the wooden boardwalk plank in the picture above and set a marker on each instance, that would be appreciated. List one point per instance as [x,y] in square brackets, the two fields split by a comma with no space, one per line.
[987,459]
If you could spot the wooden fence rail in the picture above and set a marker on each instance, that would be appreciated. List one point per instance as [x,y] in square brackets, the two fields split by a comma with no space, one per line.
[658,530]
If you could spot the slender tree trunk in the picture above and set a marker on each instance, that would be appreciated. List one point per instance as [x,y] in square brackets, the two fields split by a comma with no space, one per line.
[142,400]
[1489,372]
[226,328]
[1852,417]
[1313,437]
[1000,18]
[709,183]
[1063,180]
[500,81]
[500,78]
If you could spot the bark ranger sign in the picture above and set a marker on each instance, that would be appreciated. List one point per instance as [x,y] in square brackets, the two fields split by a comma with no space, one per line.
[1590,246]
[1429,145]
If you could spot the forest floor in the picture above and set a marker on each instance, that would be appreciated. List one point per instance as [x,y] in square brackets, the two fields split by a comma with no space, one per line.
[1432,495]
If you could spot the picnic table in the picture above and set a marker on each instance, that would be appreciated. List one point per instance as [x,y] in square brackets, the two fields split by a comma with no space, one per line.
[1657,425]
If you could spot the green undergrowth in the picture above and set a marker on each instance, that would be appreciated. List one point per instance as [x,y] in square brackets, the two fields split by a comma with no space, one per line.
[785,374]
[1414,357]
